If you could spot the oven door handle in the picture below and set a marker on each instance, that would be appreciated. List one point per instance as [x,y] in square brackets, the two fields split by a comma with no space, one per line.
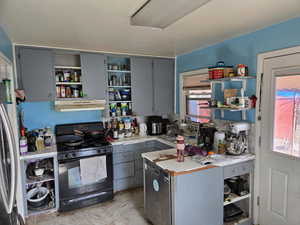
[84,157]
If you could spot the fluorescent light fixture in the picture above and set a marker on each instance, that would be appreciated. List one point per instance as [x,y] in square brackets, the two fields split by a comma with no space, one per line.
[162,13]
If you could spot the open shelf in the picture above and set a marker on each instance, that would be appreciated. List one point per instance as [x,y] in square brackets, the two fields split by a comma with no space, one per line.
[38,180]
[119,86]
[119,71]
[235,198]
[34,212]
[243,220]
[237,78]
[229,109]
[68,83]
[68,67]
[120,101]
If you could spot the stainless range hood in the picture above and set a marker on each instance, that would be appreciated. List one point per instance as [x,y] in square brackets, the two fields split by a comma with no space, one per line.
[78,105]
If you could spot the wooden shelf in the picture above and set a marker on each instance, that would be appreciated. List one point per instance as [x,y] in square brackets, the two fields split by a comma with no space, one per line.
[118,71]
[235,198]
[68,83]
[68,67]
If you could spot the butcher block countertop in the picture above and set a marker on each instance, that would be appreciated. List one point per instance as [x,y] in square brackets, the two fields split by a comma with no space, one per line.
[166,159]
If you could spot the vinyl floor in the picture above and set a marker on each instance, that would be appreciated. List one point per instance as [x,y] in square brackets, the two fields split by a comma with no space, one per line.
[126,209]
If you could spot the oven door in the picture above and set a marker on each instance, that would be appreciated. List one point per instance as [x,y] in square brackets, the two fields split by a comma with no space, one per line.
[74,180]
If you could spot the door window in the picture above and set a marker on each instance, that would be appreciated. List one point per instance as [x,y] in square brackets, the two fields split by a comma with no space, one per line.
[287,115]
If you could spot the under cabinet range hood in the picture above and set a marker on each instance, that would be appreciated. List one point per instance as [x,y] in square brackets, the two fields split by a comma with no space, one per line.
[162,13]
[79,105]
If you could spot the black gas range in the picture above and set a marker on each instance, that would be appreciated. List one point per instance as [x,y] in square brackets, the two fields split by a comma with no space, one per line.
[85,165]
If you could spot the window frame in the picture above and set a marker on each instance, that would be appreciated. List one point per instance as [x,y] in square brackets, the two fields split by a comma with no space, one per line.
[183,97]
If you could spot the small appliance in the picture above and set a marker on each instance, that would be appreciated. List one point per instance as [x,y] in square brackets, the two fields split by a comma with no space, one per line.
[155,125]
[237,138]
[205,135]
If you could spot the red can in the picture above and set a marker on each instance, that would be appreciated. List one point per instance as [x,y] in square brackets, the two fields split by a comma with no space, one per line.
[218,73]
[242,70]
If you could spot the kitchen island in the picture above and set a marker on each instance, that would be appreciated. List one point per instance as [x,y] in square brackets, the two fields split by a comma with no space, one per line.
[192,193]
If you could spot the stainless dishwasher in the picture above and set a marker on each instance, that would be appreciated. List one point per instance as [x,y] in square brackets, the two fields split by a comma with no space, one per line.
[157,195]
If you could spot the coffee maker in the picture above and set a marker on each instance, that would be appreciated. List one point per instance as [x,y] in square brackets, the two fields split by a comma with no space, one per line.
[205,136]
[155,125]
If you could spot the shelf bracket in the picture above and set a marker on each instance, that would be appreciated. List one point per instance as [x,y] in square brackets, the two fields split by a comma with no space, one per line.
[244,83]
[222,113]
[244,115]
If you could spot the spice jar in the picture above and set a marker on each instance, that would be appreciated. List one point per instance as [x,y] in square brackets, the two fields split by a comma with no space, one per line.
[180,148]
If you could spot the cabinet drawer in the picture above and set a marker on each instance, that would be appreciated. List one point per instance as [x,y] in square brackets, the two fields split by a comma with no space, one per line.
[123,170]
[237,170]
[118,148]
[123,157]
[124,184]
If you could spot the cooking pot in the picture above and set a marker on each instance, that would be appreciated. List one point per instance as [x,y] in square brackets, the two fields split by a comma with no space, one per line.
[38,197]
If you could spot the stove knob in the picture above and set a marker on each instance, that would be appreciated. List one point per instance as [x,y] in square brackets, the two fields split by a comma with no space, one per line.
[70,155]
[74,155]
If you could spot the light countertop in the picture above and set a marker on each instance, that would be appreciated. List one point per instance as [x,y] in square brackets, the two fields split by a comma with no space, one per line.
[162,138]
[190,165]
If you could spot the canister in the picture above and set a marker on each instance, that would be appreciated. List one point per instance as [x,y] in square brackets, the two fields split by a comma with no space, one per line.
[242,70]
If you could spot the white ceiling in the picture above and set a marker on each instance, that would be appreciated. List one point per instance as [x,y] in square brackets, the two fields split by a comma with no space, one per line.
[103,25]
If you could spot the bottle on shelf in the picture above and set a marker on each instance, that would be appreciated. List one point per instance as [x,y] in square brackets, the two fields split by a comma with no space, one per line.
[40,141]
[23,143]
[62,91]
[48,137]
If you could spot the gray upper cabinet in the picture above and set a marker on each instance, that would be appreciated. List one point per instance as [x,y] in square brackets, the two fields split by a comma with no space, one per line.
[142,85]
[93,75]
[163,78]
[36,74]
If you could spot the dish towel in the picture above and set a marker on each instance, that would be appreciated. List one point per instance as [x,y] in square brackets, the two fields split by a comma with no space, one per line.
[93,170]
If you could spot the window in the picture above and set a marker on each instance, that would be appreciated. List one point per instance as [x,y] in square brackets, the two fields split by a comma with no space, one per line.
[197,93]
[287,115]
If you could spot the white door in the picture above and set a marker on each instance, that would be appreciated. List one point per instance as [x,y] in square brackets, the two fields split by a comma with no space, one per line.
[280,142]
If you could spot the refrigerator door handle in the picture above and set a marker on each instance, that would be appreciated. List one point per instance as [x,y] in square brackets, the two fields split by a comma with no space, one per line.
[13,158]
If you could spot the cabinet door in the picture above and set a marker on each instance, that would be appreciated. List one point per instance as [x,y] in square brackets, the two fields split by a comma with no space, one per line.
[93,75]
[142,86]
[163,77]
[37,74]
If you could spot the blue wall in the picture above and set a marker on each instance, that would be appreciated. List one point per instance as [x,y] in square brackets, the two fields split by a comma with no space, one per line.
[5,44]
[241,50]
[42,114]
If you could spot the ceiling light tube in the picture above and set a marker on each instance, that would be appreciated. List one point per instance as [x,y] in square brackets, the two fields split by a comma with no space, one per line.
[162,13]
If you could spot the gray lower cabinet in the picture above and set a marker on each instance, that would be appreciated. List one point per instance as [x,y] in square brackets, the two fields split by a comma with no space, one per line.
[197,198]
[93,75]
[36,73]
[163,83]
[128,163]
[142,85]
